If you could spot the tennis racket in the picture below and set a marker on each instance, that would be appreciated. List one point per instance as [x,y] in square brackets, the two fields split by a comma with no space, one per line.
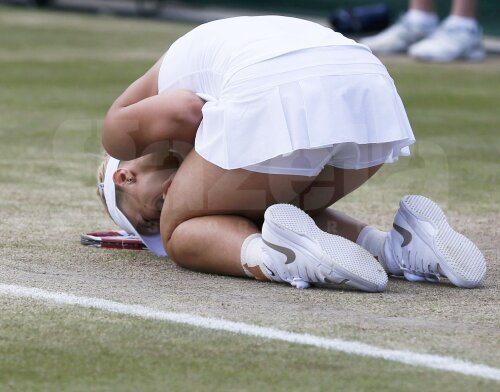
[112,240]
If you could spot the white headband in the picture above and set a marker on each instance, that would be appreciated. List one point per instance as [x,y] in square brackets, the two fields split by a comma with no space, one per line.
[153,242]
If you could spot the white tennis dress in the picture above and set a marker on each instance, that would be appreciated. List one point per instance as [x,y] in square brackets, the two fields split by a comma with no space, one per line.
[287,96]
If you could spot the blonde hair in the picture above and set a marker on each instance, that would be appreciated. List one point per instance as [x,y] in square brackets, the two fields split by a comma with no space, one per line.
[101,172]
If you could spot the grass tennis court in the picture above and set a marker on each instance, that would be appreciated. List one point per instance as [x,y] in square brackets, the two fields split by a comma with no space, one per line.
[58,75]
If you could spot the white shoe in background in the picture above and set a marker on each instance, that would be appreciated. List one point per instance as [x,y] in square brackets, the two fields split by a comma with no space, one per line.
[398,37]
[450,42]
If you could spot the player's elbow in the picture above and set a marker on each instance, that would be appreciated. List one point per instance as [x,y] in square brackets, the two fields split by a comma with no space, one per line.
[190,112]
[116,137]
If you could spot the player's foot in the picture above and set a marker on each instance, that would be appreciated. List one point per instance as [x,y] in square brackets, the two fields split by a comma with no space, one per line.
[302,254]
[398,37]
[423,247]
[448,43]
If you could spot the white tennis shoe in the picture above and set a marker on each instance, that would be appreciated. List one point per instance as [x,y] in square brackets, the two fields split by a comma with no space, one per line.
[425,248]
[450,43]
[302,254]
[398,37]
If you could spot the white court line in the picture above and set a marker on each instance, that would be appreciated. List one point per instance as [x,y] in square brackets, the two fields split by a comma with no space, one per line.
[345,346]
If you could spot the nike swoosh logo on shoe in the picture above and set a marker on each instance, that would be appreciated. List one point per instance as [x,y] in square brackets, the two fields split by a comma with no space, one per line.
[271,272]
[405,233]
[290,254]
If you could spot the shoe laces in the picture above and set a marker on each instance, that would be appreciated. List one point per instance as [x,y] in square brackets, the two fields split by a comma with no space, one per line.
[303,277]
[284,275]
[417,266]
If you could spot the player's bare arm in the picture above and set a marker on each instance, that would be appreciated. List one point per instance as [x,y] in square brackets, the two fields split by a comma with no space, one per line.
[141,119]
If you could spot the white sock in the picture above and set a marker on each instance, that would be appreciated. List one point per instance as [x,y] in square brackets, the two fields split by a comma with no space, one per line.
[422,18]
[462,22]
[372,239]
[252,257]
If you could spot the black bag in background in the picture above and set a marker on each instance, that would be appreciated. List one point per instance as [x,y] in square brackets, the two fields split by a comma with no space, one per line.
[361,19]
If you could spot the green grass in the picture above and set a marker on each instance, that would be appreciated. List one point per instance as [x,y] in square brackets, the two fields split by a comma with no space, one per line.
[455,108]
[52,348]
[58,75]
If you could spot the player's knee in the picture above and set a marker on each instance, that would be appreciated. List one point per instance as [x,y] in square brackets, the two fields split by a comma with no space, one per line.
[171,241]
[171,218]
[178,245]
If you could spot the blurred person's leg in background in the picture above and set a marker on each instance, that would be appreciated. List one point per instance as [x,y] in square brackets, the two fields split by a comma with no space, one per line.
[419,33]
[458,37]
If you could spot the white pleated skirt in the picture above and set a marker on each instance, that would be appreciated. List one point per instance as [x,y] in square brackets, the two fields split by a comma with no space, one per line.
[298,112]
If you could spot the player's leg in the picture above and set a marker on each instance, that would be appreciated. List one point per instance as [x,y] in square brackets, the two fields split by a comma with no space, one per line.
[336,222]
[421,246]
[202,192]
[201,188]
[330,186]
[211,243]
[211,215]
